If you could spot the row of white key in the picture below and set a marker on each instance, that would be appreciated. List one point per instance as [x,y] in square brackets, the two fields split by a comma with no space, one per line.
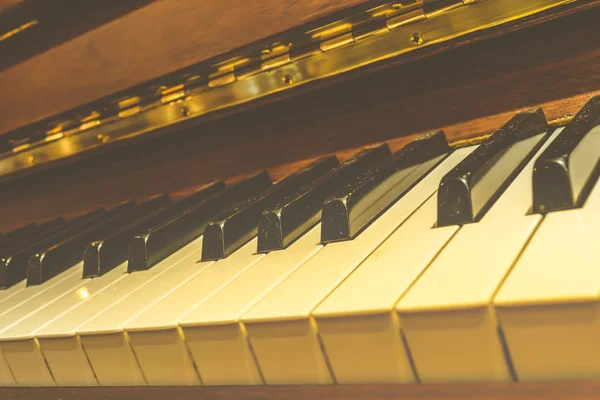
[307,314]
[113,329]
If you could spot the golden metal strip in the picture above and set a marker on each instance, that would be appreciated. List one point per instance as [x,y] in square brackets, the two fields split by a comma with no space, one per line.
[275,62]
[172,96]
[337,42]
[20,29]
[128,102]
[225,91]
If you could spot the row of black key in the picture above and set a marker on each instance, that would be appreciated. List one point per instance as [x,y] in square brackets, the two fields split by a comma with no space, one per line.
[346,198]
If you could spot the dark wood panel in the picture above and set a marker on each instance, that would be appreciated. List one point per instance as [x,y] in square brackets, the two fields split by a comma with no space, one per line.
[553,65]
[159,38]
[463,391]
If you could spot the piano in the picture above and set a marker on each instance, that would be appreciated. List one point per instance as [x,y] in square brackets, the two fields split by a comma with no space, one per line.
[372,199]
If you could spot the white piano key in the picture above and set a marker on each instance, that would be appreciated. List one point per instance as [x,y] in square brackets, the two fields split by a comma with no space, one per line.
[61,346]
[12,298]
[359,314]
[6,377]
[217,341]
[7,293]
[155,337]
[282,333]
[19,345]
[549,306]
[103,339]
[33,293]
[446,316]
[41,296]
[34,298]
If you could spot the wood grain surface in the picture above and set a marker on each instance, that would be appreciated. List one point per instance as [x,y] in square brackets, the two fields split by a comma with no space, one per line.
[56,21]
[463,391]
[553,65]
[161,37]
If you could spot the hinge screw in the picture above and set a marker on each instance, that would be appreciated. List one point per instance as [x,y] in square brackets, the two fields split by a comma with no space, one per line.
[185,111]
[287,80]
[31,160]
[416,39]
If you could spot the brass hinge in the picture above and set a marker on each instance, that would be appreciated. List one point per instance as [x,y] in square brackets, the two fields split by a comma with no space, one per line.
[302,56]
[375,21]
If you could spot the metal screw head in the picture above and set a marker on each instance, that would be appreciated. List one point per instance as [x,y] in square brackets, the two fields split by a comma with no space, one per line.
[416,39]
[287,80]
[185,112]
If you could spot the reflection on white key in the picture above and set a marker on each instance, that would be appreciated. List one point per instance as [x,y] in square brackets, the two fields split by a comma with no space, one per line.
[216,339]
[155,336]
[21,349]
[447,318]
[359,315]
[549,305]
[36,295]
[103,338]
[282,333]
[62,347]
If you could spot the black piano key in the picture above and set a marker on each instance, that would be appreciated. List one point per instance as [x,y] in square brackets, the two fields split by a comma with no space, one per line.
[467,191]
[199,195]
[347,213]
[163,239]
[287,221]
[295,214]
[33,235]
[229,231]
[14,262]
[102,256]
[14,237]
[566,171]
[50,262]
[175,210]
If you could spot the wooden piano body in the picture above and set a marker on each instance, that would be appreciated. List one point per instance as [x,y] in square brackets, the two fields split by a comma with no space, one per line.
[468,85]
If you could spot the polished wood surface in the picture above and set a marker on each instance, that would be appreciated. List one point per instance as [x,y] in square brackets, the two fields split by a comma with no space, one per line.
[553,65]
[463,391]
[55,22]
[161,37]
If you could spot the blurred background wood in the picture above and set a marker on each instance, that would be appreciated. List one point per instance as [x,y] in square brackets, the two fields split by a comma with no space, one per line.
[152,38]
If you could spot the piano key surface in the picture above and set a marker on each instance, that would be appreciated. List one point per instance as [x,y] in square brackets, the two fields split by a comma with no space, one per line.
[281,330]
[548,306]
[63,347]
[154,333]
[446,315]
[217,341]
[359,314]
[413,301]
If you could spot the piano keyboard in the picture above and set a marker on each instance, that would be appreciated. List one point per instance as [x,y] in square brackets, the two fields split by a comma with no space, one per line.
[428,265]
